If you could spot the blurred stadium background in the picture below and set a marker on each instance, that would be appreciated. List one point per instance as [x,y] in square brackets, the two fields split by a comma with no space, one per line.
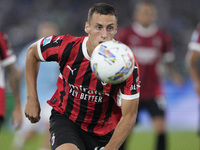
[19,19]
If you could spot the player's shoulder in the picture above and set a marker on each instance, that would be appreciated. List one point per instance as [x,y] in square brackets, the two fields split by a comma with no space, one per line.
[60,40]
[70,38]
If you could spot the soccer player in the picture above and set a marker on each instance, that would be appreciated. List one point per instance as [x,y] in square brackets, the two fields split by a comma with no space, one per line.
[85,113]
[45,83]
[151,46]
[7,64]
[192,61]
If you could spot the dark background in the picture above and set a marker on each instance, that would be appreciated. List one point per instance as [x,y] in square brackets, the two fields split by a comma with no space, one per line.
[19,19]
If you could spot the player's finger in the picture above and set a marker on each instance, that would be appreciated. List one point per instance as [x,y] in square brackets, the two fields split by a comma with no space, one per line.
[26,115]
[34,119]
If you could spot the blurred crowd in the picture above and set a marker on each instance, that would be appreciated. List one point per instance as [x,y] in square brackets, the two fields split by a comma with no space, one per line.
[19,19]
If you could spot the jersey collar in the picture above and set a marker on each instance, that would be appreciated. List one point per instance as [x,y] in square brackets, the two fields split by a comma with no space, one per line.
[145,32]
[84,48]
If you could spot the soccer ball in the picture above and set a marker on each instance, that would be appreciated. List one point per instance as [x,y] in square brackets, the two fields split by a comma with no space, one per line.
[112,62]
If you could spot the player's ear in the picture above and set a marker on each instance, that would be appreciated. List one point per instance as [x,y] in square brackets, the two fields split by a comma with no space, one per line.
[87,27]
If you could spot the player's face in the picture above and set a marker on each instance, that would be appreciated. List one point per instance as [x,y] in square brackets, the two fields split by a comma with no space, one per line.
[145,14]
[101,28]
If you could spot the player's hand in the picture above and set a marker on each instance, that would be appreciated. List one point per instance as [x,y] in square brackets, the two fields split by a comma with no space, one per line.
[17,117]
[32,110]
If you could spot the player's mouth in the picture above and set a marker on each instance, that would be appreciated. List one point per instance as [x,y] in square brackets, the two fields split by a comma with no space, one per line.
[101,42]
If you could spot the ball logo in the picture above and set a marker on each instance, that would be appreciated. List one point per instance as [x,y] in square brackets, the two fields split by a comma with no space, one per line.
[107,54]
[117,42]
[116,76]
[95,70]
[130,61]
[124,70]
[119,74]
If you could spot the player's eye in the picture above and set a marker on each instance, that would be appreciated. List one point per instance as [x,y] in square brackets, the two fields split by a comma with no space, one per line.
[110,28]
[98,27]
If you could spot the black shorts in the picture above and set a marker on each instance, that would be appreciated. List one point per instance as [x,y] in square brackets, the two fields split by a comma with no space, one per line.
[155,107]
[64,130]
[1,121]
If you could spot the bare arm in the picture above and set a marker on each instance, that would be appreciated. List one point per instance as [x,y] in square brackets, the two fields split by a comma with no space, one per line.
[32,108]
[192,66]
[14,78]
[125,125]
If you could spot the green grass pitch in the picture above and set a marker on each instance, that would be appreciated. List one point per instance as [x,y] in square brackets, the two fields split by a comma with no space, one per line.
[177,140]
[182,140]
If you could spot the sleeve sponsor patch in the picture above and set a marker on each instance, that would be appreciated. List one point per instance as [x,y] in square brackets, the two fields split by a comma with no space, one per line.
[46,40]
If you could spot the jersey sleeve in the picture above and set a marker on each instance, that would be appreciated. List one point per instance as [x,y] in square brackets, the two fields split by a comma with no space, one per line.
[130,89]
[50,48]
[7,56]
[194,43]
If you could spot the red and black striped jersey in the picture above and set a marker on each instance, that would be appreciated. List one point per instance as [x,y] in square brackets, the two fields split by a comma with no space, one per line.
[6,58]
[87,101]
[151,46]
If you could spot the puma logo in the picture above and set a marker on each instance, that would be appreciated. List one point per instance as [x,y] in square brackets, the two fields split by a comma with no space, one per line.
[72,70]
[56,41]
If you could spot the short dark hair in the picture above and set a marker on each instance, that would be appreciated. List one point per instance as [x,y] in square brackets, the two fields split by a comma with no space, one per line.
[101,8]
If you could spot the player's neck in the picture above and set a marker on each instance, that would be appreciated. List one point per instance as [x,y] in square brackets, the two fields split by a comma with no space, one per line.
[89,47]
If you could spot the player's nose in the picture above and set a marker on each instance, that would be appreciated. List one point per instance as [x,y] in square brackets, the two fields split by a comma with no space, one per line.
[104,33]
